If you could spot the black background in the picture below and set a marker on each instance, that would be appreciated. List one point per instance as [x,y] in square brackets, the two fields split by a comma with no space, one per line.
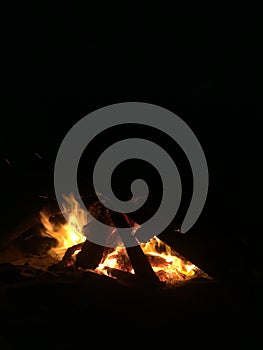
[62,61]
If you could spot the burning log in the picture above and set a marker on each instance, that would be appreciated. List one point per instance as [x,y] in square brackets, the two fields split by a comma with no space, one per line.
[142,267]
[90,255]
[67,259]
[126,278]
[70,251]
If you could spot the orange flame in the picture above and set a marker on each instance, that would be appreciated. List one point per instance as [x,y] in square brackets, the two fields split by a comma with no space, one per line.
[68,234]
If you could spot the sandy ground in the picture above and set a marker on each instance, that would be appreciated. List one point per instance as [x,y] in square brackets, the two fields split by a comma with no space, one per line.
[65,309]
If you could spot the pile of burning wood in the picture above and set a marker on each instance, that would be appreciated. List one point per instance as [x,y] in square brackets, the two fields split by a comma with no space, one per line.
[64,246]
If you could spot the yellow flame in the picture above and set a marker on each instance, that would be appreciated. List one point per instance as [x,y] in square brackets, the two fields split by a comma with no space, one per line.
[166,263]
[174,266]
[69,234]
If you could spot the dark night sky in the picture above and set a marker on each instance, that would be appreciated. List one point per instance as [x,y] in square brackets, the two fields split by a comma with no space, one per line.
[61,62]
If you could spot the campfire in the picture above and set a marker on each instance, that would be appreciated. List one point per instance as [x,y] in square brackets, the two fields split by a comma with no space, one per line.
[153,261]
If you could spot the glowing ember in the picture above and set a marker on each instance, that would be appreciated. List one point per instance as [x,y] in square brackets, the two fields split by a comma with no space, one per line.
[168,265]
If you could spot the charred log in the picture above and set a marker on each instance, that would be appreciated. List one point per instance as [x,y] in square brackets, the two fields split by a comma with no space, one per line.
[141,265]
[126,278]
[70,251]
[90,255]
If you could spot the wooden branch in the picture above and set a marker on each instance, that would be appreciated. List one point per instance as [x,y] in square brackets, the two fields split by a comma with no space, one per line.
[70,251]
[123,277]
[141,265]
[90,255]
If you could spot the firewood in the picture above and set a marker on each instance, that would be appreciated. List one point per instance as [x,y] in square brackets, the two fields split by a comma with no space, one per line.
[141,265]
[67,260]
[70,251]
[123,277]
[90,255]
